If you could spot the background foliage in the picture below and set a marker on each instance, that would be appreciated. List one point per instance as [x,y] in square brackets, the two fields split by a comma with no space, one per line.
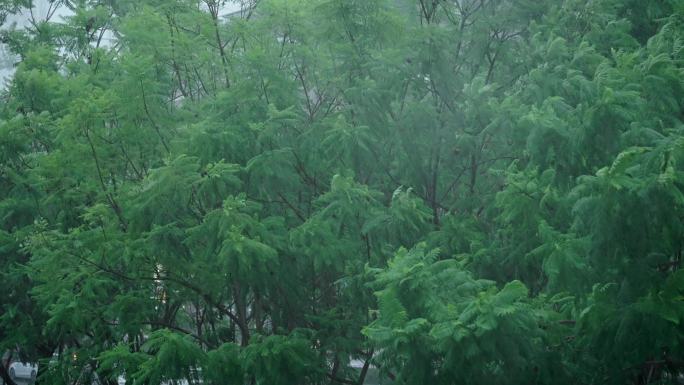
[452,192]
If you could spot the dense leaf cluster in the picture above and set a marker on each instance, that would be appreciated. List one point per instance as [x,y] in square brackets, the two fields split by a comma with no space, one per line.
[449,192]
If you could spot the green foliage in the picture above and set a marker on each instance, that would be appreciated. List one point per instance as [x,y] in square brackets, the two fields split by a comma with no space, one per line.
[449,192]
[281,360]
[435,319]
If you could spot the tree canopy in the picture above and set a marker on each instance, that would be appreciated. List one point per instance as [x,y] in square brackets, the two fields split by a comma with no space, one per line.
[448,191]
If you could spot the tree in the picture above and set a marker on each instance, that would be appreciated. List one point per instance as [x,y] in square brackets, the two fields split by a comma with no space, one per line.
[463,191]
